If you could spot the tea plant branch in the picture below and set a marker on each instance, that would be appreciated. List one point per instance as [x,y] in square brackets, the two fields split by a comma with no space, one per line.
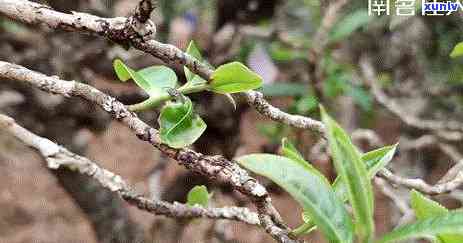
[444,129]
[144,10]
[385,188]
[422,186]
[401,203]
[57,156]
[152,102]
[215,168]
[329,19]
[126,32]
[454,177]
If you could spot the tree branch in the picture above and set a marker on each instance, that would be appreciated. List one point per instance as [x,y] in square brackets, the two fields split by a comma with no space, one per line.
[59,157]
[124,31]
[422,186]
[213,167]
[439,127]
[144,10]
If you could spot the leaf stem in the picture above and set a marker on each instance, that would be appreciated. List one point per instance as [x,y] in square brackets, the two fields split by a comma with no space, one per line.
[152,102]
[303,229]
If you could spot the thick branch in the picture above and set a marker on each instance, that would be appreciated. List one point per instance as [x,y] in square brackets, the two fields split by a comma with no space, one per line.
[125,31]
[57,156]
[213,167]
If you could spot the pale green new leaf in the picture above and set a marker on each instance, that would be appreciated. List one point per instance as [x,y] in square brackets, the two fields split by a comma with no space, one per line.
[192,78]
[354,174]
[178,125]
[159,77]
[233,78]
[198,195]
[374,160]
[153,80]
[448,223]
[309,188]
[426,208]
[288,150]
[125,73]
[457,50]
[377,159]
[307,227]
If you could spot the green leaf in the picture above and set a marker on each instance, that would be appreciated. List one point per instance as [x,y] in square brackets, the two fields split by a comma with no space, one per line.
[350,23]
[122,71]
[233,78]
[281,53]
[125,73]
[153,80]
[307,227]
[178,125]
[288,150]
[353,172]
[374,160]
[448,223]
[377,159]
[192,78]
[306,104]
[198,195]
[457,50]
[310,188]
[159,78]
[427,208]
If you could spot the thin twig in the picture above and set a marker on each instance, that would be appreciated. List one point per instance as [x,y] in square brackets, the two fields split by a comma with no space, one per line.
[422,186]
[57,156]
[439,127]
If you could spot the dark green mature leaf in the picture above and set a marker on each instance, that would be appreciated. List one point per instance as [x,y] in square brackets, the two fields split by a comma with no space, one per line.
[457,50]
[374,160]
[198,195]
[353,172]
[310,188]
[233,78]
[350,23]
[178,125]
[192,78]
[427,208]
[448,223]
